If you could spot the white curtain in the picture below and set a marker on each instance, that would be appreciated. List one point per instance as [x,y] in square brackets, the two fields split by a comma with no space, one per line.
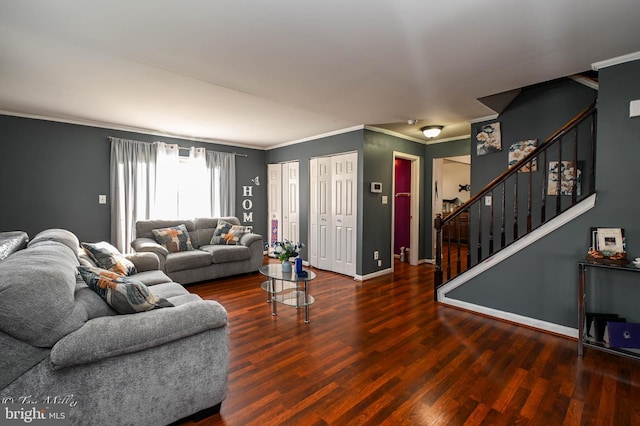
[165,192]
[222,179]
[193,194]
[133,172]
[152,181]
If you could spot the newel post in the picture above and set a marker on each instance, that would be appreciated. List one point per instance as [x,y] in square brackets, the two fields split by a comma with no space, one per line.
[437,275]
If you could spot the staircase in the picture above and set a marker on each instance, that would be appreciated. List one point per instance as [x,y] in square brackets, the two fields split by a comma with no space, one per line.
[519,206]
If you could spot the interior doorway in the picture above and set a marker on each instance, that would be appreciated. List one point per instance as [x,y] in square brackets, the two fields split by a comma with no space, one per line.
[405,229]
[451,186]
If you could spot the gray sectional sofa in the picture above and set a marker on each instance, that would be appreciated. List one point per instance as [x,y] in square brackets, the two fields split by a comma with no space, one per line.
[66,350]
[207,261]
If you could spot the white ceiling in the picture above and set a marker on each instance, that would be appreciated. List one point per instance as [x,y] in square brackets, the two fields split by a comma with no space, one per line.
[265,73]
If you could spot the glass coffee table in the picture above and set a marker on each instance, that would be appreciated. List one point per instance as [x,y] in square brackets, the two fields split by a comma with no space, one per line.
[287,288]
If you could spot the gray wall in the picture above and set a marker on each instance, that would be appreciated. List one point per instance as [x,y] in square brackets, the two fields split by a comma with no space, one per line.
[375,163]
[376,220]
[302,152]
[541,280]
[51,174]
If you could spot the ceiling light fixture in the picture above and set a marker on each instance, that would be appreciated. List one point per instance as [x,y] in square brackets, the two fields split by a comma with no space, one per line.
[431,131]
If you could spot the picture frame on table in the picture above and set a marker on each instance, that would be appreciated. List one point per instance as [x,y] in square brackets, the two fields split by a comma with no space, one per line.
[610,240]
[607,246]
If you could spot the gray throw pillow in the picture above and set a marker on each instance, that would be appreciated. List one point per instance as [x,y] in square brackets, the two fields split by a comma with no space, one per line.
[108,257]
[124,294]
[228,234]
[174,238]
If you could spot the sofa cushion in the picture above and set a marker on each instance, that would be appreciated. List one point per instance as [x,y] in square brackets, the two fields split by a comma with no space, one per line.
[168,290]
[124,294]
[187,260]
[37,288]
[184,299]
[174,238]
[151,278]
[224,254]
[108,257]
[174,293]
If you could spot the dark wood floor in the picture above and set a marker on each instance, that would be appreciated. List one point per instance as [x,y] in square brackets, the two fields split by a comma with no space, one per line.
[382,352]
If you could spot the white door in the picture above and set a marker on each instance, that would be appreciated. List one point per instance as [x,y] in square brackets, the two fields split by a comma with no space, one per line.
[332,210]
[323,242]
[312,248]
[290,229]
[274,193]
[283,205]
[343,198]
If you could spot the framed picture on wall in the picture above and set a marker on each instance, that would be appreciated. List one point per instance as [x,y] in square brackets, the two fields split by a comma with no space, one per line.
[562,176]
[519,150]
[488,139]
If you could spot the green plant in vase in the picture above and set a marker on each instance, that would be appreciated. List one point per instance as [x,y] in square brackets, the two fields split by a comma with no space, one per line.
[285,250]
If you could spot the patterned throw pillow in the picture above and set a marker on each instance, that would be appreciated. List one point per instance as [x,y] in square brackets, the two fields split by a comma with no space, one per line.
[174,238]
[125,295]
[228,234]
[108,257]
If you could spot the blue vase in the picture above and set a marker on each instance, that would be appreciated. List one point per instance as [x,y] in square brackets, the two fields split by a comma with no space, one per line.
[286,266]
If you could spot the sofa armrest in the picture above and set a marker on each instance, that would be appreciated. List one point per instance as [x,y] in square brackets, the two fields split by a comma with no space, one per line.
[144,244]
[144,261]
[112,336]
[250,238]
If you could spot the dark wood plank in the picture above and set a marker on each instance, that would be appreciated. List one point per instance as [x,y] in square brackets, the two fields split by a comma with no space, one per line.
[382,352]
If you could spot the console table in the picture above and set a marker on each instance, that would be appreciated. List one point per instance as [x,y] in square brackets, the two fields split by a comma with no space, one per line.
[582,308]
[287,288]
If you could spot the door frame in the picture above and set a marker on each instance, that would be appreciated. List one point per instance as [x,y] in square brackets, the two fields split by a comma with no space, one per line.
[414,222]
[437,180]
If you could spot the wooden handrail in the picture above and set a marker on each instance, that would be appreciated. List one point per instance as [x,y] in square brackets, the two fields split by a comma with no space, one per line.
[448,230]
[513,169]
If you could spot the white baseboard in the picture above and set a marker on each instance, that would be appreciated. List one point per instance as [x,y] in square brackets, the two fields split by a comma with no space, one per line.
[515,318]
[555,223]
[373,275]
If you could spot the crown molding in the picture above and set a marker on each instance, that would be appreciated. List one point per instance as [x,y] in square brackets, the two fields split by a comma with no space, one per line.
[312,138]
[585,81]
[596,66]
[451,139]
[395,134]
[412,139]
[111,126]
[481,119]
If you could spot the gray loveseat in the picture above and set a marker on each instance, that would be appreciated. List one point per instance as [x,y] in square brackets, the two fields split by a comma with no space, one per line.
[207,261]
[66,351]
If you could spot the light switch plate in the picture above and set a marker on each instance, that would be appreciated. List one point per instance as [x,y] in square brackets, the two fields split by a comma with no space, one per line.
[102,199]
[385,199]
[487,200]
[634,108]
